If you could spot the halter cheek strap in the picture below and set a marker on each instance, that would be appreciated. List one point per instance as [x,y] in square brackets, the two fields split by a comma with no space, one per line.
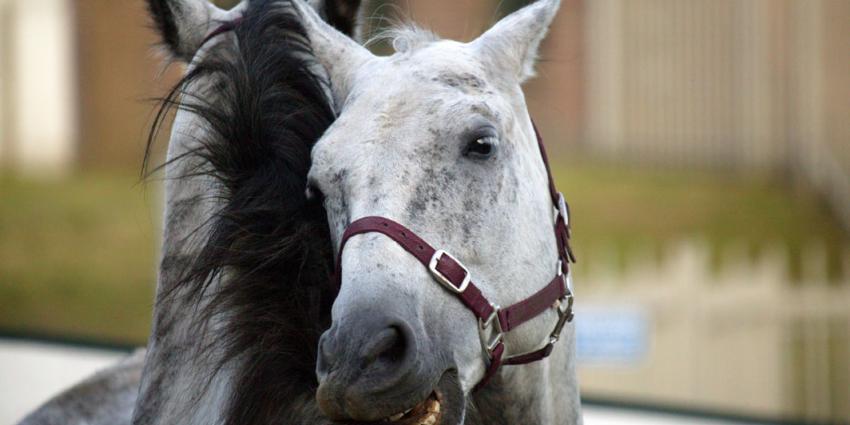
[493,321]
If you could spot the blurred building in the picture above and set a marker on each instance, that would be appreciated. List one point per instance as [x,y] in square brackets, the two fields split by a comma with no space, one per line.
[76,77]
[556,96]
[729,85]
[723,84]
[121,73]
[726,84]
[38,126]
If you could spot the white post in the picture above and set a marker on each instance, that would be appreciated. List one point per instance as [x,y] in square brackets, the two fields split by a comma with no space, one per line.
[5,84]
[42,96]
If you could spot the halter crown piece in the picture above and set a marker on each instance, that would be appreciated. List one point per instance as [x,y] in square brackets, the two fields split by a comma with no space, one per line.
[493,321]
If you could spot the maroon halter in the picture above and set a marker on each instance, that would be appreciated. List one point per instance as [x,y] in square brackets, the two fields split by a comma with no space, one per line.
[493,321]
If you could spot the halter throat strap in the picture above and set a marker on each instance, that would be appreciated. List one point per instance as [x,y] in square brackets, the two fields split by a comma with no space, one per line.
[493,320]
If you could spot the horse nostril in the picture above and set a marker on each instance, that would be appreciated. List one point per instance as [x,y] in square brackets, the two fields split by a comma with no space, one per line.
[388,346]
[370,359]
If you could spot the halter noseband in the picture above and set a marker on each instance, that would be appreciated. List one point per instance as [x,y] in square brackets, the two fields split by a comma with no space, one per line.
[493,321]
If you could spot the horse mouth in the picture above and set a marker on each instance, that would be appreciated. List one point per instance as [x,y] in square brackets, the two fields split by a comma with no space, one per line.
[444,406]
[427,412]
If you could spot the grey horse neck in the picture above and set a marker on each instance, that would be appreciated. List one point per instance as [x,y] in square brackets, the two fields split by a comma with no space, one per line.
[194,392]
[191,376]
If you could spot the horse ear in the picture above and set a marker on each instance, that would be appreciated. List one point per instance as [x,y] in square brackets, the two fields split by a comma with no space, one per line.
[183,24]
[512,44]
[336,52]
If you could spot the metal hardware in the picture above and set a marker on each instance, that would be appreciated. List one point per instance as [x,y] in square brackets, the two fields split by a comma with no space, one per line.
[432,266]
[563,209]
[564,308]
[490,343]
[565,314]
[493,316]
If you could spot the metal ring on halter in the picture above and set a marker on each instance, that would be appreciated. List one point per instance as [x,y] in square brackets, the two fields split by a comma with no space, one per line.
[565,314]
[563,209]
[568,279]
[432,266]
[490,344]
[564,306]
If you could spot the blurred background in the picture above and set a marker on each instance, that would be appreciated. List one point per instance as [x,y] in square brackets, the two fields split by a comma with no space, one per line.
[704,146]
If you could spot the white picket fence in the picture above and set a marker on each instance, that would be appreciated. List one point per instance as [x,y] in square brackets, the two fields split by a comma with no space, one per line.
[745,338]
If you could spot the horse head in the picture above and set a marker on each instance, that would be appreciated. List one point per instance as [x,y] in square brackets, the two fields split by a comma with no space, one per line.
[435,139]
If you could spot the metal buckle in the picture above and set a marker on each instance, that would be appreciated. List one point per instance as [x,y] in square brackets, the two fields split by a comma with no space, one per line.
[432,267]
[565,314]
[490,344]
[563,209]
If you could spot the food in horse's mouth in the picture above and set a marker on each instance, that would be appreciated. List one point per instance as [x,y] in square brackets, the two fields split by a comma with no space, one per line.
[425,413]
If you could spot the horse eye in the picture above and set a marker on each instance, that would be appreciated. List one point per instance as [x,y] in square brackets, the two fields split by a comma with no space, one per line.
[480,148]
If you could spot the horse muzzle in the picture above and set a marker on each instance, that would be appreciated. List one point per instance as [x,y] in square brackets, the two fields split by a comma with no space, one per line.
[372,366]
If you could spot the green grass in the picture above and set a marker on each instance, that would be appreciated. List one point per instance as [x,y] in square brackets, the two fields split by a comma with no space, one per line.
[639,209]
[77,256]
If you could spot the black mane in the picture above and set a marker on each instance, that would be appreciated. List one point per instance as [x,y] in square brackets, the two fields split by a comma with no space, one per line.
[269,108]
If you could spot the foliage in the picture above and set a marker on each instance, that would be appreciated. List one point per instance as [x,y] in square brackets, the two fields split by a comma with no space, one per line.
[629,209]
[77,256]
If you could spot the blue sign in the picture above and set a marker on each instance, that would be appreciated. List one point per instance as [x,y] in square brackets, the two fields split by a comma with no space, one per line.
[611,335]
